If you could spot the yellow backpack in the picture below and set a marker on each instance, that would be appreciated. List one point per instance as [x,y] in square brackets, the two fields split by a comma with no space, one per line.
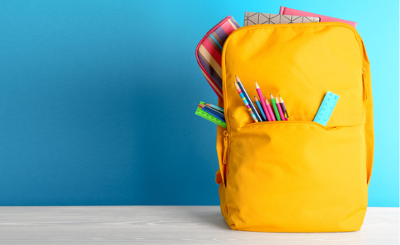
[296,175]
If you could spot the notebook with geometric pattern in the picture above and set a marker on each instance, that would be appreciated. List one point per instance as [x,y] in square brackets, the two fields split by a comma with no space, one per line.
[286,10]
[254,18]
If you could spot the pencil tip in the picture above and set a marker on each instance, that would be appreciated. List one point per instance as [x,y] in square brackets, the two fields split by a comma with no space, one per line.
[237,79]
[236,86]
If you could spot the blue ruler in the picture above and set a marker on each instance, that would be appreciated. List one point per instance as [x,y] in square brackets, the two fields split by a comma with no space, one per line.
[326,108]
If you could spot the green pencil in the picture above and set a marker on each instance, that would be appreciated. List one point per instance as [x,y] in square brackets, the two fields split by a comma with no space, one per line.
[278,117]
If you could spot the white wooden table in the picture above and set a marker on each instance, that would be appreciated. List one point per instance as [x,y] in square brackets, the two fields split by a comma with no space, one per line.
[168,225]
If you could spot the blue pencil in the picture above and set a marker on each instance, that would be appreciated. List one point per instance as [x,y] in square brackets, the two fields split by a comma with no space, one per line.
[245,102]
[222,113]
[214,114]
[215,107]
[211,112]
[260,108]
[248,99]
[207,109]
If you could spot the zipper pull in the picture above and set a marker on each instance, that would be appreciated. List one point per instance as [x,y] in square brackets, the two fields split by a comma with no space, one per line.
[225,146]
[365,90]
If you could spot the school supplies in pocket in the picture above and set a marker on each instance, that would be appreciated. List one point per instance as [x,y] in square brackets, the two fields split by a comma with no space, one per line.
[264,107]
[296,175]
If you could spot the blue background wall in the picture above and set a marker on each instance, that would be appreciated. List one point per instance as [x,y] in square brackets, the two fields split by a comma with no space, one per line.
[97,99]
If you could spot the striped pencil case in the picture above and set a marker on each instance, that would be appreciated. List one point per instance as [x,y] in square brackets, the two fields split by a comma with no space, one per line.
[209,50]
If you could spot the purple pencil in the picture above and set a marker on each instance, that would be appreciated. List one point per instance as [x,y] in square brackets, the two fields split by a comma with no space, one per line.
[284,108]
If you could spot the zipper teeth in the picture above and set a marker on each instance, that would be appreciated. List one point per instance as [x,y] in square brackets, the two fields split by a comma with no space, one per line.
[225,146]
[225,156]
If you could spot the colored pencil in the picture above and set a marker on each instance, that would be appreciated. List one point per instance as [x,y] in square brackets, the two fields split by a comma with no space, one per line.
[248,99]
[269,108]
[260,108]
[245,102]
[222,113]
[215,107]
[284,108]
[202,106]
[211,112]
[214,111]
[278,118]
[264,106]
[278,104]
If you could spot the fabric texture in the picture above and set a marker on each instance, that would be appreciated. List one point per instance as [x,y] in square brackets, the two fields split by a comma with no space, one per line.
[296,175]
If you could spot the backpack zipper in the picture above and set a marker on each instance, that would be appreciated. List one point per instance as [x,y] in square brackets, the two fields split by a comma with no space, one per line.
[364,78]
[225,146]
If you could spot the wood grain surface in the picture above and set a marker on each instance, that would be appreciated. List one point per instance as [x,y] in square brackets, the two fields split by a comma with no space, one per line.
[168,225]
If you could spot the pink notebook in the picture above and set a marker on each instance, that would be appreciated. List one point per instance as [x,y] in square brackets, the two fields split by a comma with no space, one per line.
[290,11]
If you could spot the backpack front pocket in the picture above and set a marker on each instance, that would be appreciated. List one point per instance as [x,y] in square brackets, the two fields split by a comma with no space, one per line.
[297,177]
